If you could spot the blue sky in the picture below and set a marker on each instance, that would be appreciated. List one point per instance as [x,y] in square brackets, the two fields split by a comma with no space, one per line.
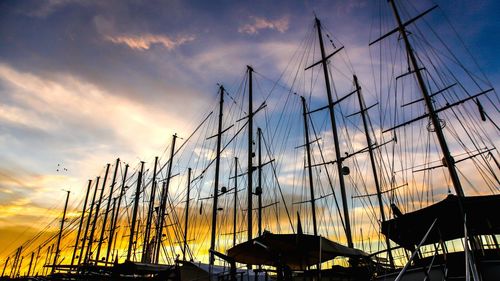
[84,82]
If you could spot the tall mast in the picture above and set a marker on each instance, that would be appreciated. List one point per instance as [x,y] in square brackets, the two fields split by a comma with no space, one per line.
[447,158]
[217,170]
[373,165]
[14,263]
[258,190]
[89,218]
[47,259]
[186,218]
[235,199]
[81,222]
[164,200]
[19,267]
[309,166]
[335,139]
[146,245]
[60,235]
[5,266]
[98,206]
[111,230]
[159,221]
[16,260]
[250,154]
[36,260]
[31,263]
[113,182]
[117,212]
[134,214]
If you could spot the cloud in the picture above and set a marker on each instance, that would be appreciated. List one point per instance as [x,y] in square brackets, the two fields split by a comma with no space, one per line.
[144,42]
[280,25]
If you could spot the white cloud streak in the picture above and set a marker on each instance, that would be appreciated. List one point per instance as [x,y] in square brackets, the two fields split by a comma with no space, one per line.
[280,25]
[146,41]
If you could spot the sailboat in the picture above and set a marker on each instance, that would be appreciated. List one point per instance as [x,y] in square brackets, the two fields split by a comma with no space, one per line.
[454,238]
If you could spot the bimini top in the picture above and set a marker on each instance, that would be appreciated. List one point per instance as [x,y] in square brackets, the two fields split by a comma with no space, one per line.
[482,218]
[296,251]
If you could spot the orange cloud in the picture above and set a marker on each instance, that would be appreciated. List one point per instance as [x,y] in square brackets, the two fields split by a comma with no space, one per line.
[280,25]
[144,42]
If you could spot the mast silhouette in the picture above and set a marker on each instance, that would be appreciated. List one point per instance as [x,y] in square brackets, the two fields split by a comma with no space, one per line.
[5,266]
[94,224]
[89,219]
[81,222]
[216,181]
[117,213]
[31,263]
[235,216]
[163,202]
[364,117]
[250,154]
[338,156]
[113,182]
[447,158]
[134,212]
[186,218]
[258,189]
[146,245]
[58,245]
[309,165]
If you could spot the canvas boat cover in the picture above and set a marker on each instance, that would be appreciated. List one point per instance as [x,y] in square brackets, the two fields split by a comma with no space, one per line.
[483,218]
[294,250]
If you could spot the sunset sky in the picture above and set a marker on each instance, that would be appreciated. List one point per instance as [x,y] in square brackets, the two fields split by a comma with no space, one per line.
[83,82]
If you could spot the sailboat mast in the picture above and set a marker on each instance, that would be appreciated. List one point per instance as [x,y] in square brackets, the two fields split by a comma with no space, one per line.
[134,212]
[117,212]
[250,154]
[31,263]
[5,266]
[373,165]
[94,224]
[81,222]
[447,158]
[16,259]
[19,267]
[216,181]
[89,219]
[309,165]
[60,235]
[111,230]
[258,190]
[146,245]
[335,138]
[235,199]
[186,218]
[47,260]
[163,201]
[36,260]
[103,230]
